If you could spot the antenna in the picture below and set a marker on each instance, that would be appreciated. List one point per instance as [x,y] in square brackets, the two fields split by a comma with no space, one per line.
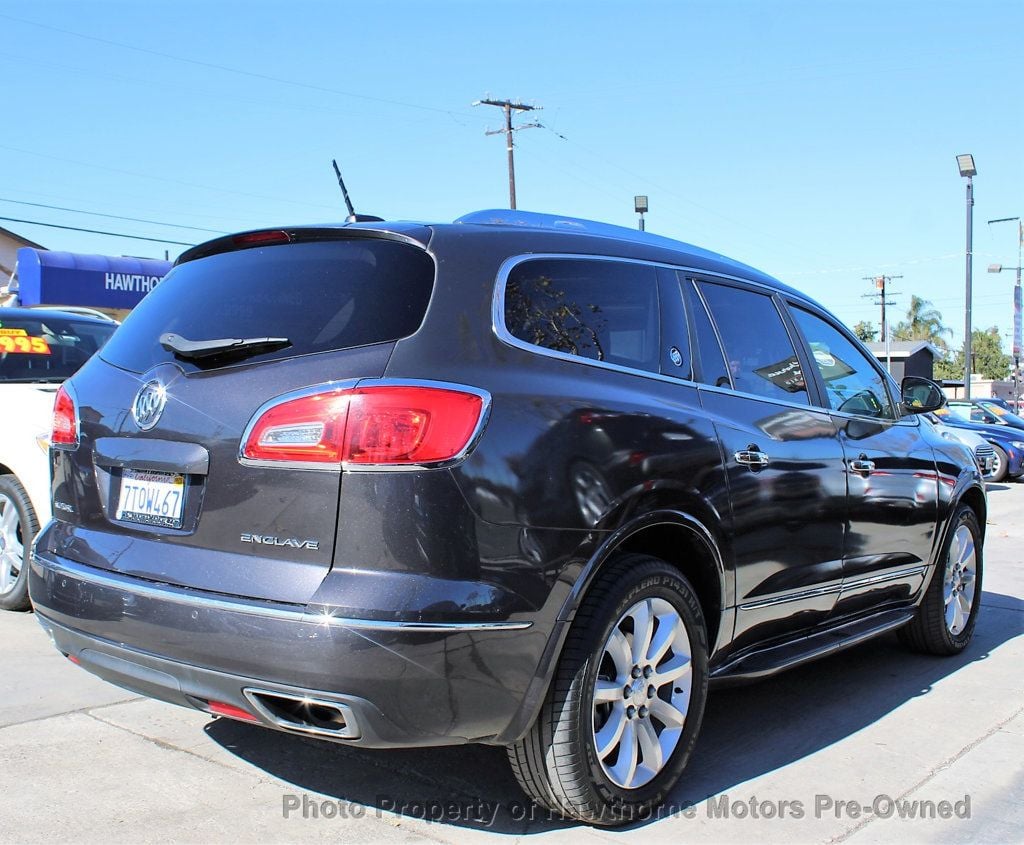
[344,192]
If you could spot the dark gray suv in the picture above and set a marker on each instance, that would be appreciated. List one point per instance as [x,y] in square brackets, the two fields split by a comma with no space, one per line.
[520,480]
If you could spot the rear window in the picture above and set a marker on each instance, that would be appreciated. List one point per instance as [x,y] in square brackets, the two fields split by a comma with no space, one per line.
[322,296]
[47,349]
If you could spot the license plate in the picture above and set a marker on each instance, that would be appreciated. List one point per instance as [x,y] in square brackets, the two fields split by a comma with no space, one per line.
[152,498]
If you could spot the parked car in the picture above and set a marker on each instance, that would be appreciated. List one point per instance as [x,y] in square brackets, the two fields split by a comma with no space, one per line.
[520,480]
[984,452]
[995,401]
[1007,442]
[986,412]
[39,349]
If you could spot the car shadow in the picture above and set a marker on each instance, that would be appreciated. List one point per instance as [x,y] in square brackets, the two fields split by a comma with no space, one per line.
[472,786]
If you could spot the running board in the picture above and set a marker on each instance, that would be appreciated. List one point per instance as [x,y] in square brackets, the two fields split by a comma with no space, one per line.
[768,661]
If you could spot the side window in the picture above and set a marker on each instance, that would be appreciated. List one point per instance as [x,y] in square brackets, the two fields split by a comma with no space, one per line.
[852,383]
[713,369]
[760,353]
[602,310]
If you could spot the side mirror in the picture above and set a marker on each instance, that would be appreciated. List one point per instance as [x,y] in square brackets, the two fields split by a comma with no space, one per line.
[921,395]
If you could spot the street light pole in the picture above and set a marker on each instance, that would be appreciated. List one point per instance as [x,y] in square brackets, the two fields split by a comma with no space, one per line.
[968,170]
[640,207]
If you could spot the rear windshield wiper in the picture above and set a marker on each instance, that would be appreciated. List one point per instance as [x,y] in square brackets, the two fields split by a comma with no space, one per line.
[200,350]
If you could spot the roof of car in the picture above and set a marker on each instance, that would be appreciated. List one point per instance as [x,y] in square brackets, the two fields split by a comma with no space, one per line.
[631,243]
[51,313]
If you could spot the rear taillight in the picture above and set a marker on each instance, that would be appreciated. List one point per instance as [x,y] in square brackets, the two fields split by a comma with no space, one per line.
[65,421]
[386,425]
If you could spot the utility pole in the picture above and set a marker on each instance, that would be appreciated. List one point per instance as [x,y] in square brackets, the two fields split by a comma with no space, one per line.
[882,294]
[1017,342]
[508,106]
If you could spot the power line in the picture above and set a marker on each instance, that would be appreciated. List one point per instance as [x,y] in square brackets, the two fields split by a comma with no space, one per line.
[139,175]
[94,231]
[112,216]
[229,69]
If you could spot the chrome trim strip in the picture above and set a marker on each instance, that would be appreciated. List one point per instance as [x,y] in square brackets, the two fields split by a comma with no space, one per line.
[283,613]
[503,334]
[349,384]
[805,594]
[868,580]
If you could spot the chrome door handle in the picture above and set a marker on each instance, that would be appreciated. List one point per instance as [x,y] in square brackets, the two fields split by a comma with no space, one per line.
[862,464]
[751,458]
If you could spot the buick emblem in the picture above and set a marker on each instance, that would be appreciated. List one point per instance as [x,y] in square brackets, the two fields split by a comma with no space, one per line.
[149,404]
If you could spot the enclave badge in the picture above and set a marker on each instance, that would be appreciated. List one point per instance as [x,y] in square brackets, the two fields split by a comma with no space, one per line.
[263,540]
[149,404]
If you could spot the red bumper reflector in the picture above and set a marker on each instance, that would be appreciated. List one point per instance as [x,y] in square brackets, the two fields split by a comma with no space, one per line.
[220,708]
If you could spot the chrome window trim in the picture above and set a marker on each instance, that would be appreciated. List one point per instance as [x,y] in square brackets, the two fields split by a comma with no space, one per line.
[731,391]
[283,613]
[505,336]
[348,384]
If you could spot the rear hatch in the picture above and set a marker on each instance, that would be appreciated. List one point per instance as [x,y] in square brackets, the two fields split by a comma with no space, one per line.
[155,488]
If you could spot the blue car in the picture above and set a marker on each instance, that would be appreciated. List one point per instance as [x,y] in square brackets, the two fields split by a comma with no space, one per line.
[1008,441]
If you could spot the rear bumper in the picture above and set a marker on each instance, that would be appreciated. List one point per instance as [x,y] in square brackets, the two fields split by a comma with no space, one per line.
[400,683]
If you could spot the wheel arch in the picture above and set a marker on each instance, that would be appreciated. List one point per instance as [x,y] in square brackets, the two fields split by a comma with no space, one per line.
[675,536]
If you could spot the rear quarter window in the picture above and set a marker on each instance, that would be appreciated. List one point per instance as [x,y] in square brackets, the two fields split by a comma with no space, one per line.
[323,296]
[601,310]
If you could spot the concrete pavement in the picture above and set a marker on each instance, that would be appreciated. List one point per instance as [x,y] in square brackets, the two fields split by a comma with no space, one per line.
[846,749]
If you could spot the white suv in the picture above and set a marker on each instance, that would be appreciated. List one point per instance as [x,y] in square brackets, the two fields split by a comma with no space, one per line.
[39,349]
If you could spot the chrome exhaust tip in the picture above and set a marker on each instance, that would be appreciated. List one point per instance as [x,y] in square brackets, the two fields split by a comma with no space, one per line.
[304,713]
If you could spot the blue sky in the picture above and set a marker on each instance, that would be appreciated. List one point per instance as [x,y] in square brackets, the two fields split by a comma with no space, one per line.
[814,140]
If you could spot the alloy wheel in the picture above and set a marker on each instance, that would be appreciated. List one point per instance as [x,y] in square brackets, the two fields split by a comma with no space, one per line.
[12,550]
[959,582]
[642,692]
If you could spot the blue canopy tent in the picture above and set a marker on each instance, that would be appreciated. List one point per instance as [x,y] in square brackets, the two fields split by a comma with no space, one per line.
[113,284]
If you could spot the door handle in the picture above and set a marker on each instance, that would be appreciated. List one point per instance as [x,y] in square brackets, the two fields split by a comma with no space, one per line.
[862,464]
[752,457]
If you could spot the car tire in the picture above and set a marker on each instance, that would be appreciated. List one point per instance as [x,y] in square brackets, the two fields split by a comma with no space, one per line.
[945,620]
[570,761]
[18,527]
[1002,464]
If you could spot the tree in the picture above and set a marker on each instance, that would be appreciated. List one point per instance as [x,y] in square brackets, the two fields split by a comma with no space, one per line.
[865,331]
[924,322]
[987,354]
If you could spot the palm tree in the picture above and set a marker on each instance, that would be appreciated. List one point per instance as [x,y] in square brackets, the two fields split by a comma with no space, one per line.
[924,322]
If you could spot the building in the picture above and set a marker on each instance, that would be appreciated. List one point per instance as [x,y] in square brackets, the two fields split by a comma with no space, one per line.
[10,243]
[111,284]
[908,357]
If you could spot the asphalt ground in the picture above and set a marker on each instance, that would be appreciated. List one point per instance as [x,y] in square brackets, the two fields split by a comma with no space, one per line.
[872,745]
